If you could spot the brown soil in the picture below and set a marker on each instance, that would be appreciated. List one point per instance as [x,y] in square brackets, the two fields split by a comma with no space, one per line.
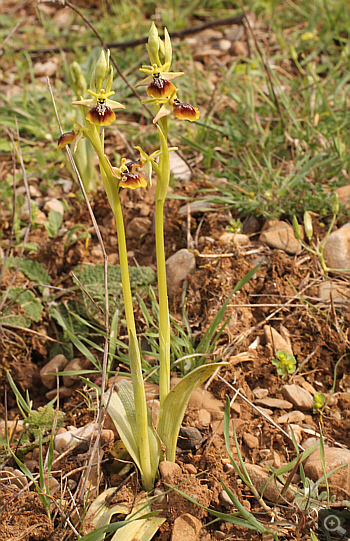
[318,332]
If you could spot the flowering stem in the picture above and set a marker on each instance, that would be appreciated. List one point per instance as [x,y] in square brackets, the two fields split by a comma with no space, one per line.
[134,355]
[110,184]
[164,325]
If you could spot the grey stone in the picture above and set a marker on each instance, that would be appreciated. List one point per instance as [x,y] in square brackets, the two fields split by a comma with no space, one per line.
[260,476]
[235,238]
[274,403]
[298,396]
[63,392]
[281,237]
[178,266]
[337,249]
[334,457]
[179,167]
[138,227]
[58,362]
[189,438]
[75,364]
[260,393]
[339,291]
[73,438]
[55,205]
[294,416]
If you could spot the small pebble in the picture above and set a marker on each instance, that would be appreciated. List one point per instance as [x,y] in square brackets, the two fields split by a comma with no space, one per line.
[251,441]
[190,469]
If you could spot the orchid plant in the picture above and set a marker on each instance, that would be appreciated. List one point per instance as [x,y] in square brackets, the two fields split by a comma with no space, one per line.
[146,443]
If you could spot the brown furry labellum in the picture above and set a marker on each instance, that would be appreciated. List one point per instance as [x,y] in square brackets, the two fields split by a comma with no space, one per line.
[185,111]
[160,88]
[102,115]
[66,139]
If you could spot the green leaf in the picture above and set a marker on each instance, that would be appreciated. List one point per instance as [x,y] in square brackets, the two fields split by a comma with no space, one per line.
[28,304]
[42,420]
[33,270]
[100,513]
[92,278]
[78,343]
[53,226]
[121,408]
[174,406]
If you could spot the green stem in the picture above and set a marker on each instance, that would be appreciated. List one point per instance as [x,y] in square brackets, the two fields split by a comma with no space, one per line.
[164,324]
[141,412]
[134,355]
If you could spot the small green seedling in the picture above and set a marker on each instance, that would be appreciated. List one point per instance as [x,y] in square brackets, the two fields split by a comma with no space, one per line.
[285,363]
[317,248]
[319,400]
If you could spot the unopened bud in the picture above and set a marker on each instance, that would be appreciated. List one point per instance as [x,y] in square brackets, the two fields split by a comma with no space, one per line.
[308,225]
[296,228]
[153,45]
[161,48]
[100,72]
[335,203]
[168,50]
[77,80]
[109,81]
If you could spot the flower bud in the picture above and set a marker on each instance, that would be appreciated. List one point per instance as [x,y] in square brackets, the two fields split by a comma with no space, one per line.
[308,225]
[109,81]
[100,72]
[335,203]
[296,228]
[161,48]
[168,50]
[153,45]
[77,80]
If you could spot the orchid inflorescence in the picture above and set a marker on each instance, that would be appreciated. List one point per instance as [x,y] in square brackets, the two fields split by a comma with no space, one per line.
[144,442]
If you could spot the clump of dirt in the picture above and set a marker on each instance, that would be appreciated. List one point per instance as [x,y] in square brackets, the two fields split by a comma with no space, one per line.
[23,518]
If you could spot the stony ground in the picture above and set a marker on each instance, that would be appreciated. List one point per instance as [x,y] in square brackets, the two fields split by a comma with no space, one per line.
[289,305]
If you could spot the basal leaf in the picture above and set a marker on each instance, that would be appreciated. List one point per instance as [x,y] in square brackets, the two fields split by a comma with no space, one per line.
[174,406]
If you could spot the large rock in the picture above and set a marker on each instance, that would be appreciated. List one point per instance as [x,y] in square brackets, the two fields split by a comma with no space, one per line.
[339,291]
[74,365]
[138,227]
[281,237]
[259,476]
[57,364]
[334,457]
[299,397]
[73,438]
[178,266]
[337,249]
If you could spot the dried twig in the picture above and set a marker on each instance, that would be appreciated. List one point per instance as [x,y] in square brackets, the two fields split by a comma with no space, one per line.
[106,315]
[236,19]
